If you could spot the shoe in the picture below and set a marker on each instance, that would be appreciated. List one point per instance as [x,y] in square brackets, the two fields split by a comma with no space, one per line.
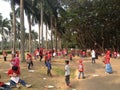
[28,85]
[83,78]
[18,86]
[69,86]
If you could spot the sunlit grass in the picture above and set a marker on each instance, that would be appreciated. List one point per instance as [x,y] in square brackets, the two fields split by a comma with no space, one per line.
[58,71]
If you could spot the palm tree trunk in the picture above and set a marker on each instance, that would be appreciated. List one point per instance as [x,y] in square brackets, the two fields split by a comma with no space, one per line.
[60,42]
[39,32]
[46,38]
[14,26]
[42,23]
[56,46]
[29,22]
[51,34]
[2,38]
[22,30]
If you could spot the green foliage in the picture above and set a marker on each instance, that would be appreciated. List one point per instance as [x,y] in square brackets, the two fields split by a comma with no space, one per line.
[8,52]
[94,21]
[85,23]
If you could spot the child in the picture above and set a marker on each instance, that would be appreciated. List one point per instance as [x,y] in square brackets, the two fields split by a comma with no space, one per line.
[71,56]
[49,56]
[80,69]
[93,56]
[3,86]
[46,59]
[108,67]
[29,61]
[15,61]
[5,55]
[67,73]
[41,53]
[14,74]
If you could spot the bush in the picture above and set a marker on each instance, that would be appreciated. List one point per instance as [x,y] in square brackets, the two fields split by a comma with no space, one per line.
[8,52]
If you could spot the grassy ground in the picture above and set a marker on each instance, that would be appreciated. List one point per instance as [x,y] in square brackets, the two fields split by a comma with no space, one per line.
[40,80]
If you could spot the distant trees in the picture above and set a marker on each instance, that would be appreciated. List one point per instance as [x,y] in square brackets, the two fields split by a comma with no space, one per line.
[81,23]
[4,30]
[94,21]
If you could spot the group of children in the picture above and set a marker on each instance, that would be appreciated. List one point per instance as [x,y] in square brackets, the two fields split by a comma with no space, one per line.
[108,68]
[14,72]
[67,71]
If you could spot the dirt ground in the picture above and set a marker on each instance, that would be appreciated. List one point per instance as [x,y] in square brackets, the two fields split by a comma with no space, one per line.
[95,76]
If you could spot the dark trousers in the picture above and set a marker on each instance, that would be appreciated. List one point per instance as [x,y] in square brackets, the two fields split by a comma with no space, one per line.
[30,64]
[93,60]
[41,57]
[49,72]
[70,58]
[12,83]
[67,80]
[5,87]
[5,58]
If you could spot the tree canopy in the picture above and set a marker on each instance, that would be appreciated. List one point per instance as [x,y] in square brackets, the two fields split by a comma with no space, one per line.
[81,23]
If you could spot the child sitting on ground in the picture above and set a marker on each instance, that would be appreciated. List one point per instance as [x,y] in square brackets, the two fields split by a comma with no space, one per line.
[14,74]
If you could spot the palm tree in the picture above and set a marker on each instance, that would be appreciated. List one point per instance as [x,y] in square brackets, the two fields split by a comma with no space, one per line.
[34,37]
[14,21]
[4,29]
[22,30]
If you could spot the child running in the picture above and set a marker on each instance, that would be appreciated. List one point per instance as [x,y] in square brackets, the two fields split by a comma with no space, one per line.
[29,61]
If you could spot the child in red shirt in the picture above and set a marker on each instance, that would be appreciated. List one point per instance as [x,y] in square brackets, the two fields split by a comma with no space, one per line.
[14,74]
[46,59]
[80,69]
[29,61]
[5,55]
[71,56]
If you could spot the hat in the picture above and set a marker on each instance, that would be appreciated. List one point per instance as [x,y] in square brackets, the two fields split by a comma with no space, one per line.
[80,61]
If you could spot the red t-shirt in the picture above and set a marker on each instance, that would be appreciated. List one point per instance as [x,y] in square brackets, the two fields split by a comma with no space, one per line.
[70,55]
[29,57]
[12,71]
[80,67]
[46,58]
[49,56]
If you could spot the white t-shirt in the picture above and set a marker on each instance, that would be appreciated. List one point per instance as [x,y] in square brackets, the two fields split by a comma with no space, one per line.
[67,70]
[93,54]
[15,79]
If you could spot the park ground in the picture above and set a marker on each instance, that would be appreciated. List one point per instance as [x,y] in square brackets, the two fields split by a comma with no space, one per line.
[95,76]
